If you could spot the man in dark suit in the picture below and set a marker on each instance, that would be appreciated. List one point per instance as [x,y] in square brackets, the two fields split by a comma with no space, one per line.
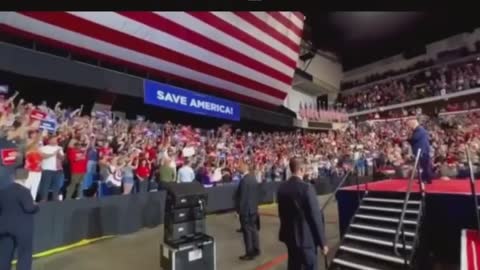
[301,220]
[420,140]
[16,224]
[246,200]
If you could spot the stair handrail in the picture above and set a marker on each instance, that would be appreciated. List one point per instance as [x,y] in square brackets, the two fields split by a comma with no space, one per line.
[339,186]
[473,188]
[405,204]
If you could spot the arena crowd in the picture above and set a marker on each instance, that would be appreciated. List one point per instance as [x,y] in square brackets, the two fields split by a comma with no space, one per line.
[435,81]
[71,154]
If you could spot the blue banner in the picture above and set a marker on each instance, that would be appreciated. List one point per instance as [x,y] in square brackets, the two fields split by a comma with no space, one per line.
[176,98]
[48,124]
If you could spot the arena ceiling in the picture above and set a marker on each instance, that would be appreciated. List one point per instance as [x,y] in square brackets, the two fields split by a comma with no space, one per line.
[362,37]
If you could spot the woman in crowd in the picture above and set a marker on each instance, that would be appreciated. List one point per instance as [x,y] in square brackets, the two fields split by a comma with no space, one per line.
[128,173]
[33,161]
[114,176]
[142,174]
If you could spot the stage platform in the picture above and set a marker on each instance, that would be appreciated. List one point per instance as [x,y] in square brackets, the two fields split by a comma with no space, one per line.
[453,186]
[449,209]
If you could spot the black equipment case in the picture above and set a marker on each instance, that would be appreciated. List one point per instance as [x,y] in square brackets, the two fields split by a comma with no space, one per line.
[184,214]
[185,195]
[193,254]
[180,231]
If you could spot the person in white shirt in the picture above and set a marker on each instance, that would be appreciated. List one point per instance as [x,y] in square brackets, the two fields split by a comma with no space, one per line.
[186,173]
[50,170]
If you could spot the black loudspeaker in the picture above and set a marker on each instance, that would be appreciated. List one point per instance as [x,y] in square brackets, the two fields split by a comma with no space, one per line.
[184,195]
[180,232]
[184,212]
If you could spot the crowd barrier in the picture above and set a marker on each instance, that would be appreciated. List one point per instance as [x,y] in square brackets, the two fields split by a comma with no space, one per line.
[63,223]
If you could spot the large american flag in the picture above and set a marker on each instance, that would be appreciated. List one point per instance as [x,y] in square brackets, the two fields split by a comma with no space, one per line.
[248,56]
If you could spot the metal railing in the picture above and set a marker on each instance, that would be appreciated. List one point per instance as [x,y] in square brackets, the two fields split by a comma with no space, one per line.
[400,229]
[332,195]
[340,185]
[473,189]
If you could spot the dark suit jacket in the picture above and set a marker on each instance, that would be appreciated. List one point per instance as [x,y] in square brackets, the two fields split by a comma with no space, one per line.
[420,140]
[246,197]
[16,210]
[301,220]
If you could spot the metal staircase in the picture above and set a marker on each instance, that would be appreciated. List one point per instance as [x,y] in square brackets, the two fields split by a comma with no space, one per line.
[384,232]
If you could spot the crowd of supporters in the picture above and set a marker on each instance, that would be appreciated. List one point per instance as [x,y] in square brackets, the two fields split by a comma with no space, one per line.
[386,74]
[436,81]
[96,154]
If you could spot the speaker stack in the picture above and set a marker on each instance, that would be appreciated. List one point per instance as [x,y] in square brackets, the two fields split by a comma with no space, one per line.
[186,246]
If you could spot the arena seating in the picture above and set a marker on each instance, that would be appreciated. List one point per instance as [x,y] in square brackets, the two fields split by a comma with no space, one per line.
[435,81]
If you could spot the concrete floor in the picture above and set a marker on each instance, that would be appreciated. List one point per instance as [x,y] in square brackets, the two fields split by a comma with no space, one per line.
[141,250]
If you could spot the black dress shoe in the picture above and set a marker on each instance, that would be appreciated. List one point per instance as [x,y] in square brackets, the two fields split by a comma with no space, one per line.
[247,257]
[239,230]
[256,253]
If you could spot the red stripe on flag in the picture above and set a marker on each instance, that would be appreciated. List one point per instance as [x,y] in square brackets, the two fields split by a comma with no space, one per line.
[243,36]
[299,15]
[167,26]
[287,23]
[135,66]
[91,29]
[264,27]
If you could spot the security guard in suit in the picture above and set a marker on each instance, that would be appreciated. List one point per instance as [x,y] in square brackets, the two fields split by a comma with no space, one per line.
[420,140]
[16,204]
[301,220]
[247,209]
[16,230]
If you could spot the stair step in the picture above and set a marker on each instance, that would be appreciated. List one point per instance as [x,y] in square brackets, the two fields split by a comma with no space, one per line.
[387,209]
[387,219]
[371,254]
[374,240]
[371,199]
[347,260]
[379,229]
[353,265]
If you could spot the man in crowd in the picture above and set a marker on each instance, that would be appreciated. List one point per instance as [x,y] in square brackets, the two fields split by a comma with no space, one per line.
[186,173]
[166,174]
[419,140]
[301,220]
[51,169]
[77,157]
[246,199]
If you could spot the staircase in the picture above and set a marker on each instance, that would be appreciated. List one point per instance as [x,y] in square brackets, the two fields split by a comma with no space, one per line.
[369,241]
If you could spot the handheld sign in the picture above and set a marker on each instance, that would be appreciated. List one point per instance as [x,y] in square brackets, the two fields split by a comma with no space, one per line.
[37,115]
[3,89]
[48,124]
